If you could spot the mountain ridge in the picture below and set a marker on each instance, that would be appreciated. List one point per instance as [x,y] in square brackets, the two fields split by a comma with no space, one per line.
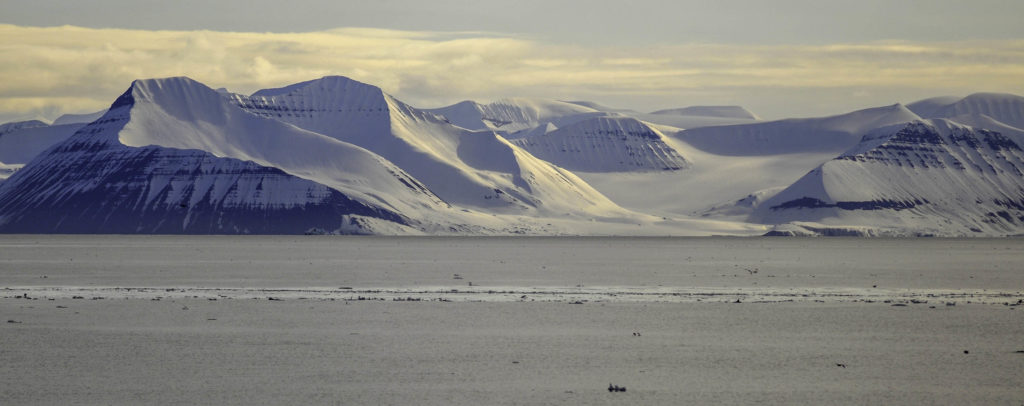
[935,175]
[478,169]
[166,150]
[334,155]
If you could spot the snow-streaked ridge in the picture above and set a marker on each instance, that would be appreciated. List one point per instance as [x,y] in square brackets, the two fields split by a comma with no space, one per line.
[605,144]
[927,177]
[512,115]
[1006,108]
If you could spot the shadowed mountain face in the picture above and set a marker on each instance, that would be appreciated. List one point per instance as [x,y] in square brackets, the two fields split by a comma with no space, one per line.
[167,191]
[94,183]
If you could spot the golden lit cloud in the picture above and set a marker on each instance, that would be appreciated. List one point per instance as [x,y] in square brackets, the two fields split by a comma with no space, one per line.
[71,69]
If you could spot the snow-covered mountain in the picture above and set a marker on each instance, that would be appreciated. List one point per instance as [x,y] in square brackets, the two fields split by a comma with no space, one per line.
[173,156]
[832,134]
[686,117]
[515,118]
[477,169]
[79,118]
[22,141]
[512,115]
[930,177]
[20,125]
[733,167]
[20,145]
[336,155]
[605,144]
[1006,108]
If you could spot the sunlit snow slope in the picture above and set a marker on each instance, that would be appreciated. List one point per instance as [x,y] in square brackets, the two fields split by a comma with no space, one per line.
[1006,108]
[933,177]
[477,169]
[512,115]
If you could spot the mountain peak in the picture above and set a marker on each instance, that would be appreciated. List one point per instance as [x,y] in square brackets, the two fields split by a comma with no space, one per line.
[325,84]
[142,87]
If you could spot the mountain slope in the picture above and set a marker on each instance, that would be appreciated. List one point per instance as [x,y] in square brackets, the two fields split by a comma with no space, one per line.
[20,125]
[928,107]
[933,177]
[22,141]
[1006,108]
[78,118]
[172,156]
[686,117]
[605,144]
[477,169]
[20,145]
[508,116]
[826,134]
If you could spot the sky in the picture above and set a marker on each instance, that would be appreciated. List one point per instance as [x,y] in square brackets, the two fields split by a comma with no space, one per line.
[780,58]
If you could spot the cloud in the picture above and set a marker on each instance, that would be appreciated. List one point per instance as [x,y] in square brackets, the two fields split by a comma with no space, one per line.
[49,70]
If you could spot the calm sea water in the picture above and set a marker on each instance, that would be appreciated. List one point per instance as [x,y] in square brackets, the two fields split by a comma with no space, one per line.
[568,317]
[607,265]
